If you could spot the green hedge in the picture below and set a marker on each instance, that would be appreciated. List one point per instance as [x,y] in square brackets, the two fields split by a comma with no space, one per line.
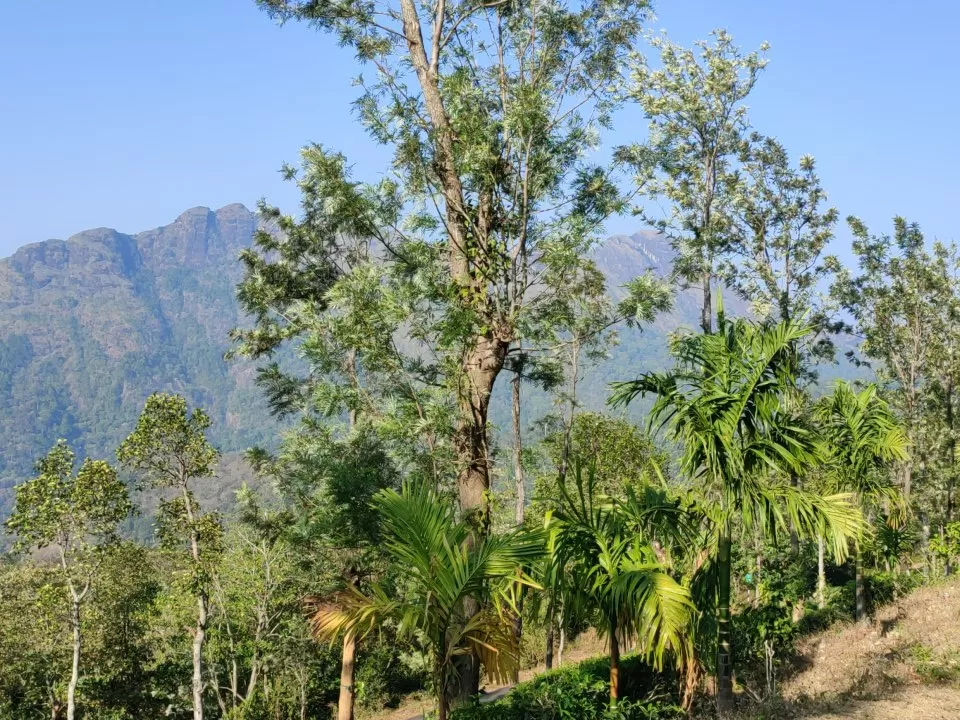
[581,692]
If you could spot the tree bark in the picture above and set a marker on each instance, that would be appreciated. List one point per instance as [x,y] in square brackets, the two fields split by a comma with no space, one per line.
[614,664]
[860,594]
[548,660]
[518,452]
[821,575]
[75,668]
[724,636]
[199,633]
[347,676]
[706,312]
[951,459]
[203,602]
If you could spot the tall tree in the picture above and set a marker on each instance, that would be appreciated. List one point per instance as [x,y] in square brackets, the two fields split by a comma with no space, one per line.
[78,514]
[865,439]
[896,301]
[491,111]
[169,449]
[723,405]
[782,227]
[698,130]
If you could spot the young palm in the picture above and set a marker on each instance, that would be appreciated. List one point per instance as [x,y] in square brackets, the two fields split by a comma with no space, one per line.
[864,439]
[611,569]
[443,563]
[725,405]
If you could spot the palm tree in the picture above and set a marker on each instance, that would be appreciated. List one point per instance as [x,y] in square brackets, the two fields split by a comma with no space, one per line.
[724,405]
[611,569]
[443,563]
[864,439]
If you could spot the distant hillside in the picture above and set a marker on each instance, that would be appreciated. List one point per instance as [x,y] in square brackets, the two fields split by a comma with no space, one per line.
[91,325]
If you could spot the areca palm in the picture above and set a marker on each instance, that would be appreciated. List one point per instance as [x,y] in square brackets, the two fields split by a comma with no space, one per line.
[612,570]
[864,439]
[725,405]
[443,564]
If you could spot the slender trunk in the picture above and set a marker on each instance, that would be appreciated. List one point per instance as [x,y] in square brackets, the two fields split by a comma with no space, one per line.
[756,581]
[706,312]
[347,674]
[303,699]
[794,537]
[347,699]
[614,664]
[860,595]
[724,638]
[199,633]
[951,458]
[443,695]
[548,660]
[518,452]
[908,474]
[75,668]
[821,576]
[560,645]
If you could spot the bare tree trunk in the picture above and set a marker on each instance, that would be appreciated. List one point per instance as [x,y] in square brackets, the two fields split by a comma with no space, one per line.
[724,635]
[706,312]
[199,633]
[821,576]
[203,602]
[75,668]
[347,675]
[548,660]
[951,460]
[482,366]
[560,645]
[518,452]
[614,664]
[859,589]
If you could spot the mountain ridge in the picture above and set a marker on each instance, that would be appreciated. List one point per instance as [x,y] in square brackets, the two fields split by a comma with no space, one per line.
[90,325]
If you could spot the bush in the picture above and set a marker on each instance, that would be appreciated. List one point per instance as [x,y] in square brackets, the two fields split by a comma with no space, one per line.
[581,692]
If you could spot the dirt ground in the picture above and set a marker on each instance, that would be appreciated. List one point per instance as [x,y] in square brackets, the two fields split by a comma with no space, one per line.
[903,665]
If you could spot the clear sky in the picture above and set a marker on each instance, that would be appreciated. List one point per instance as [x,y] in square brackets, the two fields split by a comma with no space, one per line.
[126,112]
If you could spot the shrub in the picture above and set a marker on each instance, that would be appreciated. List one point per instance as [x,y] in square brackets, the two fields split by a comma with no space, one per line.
[581,692]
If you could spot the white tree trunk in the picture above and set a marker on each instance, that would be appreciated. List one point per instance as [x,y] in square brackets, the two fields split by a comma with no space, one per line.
[821,576]
[75,669]
[199,633]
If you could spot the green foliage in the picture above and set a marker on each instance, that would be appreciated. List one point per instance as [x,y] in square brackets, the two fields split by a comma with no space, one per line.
[581,692]
[77,512]
[606,563]
[441,571]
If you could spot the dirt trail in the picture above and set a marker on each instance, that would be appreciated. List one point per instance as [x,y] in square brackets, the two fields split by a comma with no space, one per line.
[904,665]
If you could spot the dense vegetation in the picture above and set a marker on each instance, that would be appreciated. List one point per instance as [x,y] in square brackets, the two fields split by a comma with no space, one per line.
[394,542]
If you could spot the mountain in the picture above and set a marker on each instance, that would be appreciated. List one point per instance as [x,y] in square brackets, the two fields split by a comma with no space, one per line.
[91,325]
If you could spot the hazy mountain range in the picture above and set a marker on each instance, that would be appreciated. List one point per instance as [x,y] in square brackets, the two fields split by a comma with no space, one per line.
[89,326]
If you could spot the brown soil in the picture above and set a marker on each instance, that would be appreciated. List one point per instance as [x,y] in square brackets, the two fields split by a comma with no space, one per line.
[903,665]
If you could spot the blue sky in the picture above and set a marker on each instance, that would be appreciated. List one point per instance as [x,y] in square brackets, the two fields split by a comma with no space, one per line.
[126,112]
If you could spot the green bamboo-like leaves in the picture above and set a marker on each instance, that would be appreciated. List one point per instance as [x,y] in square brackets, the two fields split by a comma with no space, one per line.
[444,565]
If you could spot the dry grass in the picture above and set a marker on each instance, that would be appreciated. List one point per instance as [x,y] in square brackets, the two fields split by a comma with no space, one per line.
[903,665]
